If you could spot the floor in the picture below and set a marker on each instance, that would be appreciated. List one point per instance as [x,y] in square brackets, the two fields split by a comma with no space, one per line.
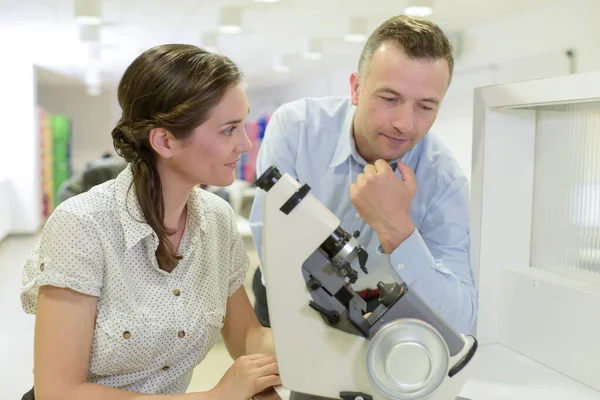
[16,327]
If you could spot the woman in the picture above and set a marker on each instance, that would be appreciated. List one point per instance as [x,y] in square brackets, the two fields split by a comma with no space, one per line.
[133,281]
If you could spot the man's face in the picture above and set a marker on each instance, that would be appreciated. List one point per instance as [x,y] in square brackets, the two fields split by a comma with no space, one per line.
[397,102]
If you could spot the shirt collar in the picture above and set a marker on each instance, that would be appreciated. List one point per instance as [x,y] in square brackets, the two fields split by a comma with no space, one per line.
[345,146]
[135,227]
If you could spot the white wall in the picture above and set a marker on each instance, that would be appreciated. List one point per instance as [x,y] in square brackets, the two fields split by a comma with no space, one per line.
[524,46]
[330,82]
[5,207]
[92,117]
[19,161]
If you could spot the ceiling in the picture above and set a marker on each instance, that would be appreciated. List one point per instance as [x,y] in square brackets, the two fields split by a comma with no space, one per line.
[46,31]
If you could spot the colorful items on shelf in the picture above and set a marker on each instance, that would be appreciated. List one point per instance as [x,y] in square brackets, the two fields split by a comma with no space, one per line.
[55,141]
[256,131]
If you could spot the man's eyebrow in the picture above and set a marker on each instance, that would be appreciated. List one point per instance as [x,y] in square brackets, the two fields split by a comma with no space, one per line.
[395,93]
[431,100]
[389,90]
[234,121]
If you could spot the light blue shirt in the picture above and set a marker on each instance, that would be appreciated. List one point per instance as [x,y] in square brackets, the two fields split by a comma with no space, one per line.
[311,139]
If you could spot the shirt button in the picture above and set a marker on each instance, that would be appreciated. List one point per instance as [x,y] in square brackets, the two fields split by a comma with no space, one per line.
[127,335]
[400,267]
[357,216]
[181,334]
[42,266]
[176,292]
[166,368]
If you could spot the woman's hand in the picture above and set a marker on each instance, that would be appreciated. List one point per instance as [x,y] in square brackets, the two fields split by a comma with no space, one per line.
[247,376]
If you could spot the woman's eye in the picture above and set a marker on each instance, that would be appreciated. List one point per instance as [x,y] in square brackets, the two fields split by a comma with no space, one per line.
[230,130]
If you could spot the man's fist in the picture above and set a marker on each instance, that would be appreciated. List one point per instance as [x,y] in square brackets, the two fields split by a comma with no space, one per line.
[383,201]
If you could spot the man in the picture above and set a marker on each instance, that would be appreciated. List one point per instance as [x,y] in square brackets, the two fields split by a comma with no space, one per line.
[370,159]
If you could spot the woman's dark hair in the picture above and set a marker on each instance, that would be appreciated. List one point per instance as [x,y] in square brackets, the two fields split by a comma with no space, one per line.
[174,87]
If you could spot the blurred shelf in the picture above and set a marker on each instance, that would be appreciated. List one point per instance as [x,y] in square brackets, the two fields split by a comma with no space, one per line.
[243,225]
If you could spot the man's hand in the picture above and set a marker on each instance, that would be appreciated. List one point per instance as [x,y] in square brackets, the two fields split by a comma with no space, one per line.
[383,201]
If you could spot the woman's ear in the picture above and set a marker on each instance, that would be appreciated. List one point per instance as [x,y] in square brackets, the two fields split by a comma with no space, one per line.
[162,141]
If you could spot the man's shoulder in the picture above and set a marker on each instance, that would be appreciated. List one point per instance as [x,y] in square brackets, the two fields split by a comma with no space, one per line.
[435,156]
[311,109]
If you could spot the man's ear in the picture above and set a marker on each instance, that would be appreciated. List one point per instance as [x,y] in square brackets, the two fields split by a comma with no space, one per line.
[162,141]
[354,87]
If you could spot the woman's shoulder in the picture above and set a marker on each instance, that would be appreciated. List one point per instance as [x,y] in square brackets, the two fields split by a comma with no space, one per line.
[99,199]
[213,204]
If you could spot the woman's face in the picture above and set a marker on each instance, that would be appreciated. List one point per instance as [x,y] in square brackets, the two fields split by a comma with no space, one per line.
[212,152]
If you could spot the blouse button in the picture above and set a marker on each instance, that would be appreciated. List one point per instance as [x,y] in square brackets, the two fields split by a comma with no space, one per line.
[176,292]
[127,335]
[181,334]
[42,266]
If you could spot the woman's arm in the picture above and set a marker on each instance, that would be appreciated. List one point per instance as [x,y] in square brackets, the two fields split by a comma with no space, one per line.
[242,333]
[64,329]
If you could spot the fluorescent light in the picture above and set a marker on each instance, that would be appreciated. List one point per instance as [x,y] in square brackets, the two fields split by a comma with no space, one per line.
[355,38]
[89,33]
[88,12]
[92,78]
[282,69]
[230,21]
[230,29]
[312,56]
[94,90]
[88,20]
[314,50]
[209,41]
[357,30]
[418,11]
[279,65]
[419,8]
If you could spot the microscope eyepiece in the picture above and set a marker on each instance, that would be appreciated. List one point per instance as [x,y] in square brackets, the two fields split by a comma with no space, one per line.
[268,178]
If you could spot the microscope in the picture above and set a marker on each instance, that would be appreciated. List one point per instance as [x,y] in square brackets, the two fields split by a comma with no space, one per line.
[325,345]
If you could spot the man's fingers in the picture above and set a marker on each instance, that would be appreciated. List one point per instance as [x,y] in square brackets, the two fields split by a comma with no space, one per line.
[382,166]
[406,172]
[370,170]
[360,179]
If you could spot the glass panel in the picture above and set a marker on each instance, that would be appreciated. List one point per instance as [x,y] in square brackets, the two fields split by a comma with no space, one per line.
[566,200]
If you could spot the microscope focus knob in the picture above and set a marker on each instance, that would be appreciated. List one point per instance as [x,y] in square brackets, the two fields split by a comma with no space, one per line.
[407,359]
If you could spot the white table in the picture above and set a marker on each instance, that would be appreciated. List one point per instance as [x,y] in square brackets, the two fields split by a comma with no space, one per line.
[502,374]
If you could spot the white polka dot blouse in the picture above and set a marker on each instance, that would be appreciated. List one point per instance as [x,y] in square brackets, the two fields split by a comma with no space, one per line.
[152,327]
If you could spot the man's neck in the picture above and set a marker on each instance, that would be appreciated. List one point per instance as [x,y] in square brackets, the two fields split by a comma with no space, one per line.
[360,143]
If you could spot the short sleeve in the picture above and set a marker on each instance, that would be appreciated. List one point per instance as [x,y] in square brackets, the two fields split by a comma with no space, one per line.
[68,254]
[240,262]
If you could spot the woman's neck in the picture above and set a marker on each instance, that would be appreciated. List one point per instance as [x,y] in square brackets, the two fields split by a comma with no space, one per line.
[175,196]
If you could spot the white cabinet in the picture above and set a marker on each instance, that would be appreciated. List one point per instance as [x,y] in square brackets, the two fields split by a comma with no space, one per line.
[536,221]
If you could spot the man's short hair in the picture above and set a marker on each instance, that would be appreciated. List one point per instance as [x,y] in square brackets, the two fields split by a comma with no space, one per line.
[416,37]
